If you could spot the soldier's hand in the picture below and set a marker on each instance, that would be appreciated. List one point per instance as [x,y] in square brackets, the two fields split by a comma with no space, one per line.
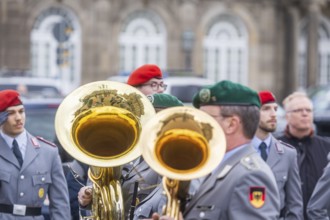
[3,117]
[85,195]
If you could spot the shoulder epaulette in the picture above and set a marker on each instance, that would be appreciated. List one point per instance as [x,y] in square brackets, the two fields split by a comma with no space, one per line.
[46,141]
[250,163]
[286,144]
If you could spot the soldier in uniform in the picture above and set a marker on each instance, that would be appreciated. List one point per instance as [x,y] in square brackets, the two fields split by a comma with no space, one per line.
[281,158]
[242,186]
[319,204]
[30,168]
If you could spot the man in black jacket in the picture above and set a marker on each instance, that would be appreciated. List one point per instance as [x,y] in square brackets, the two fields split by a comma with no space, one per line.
[312,149]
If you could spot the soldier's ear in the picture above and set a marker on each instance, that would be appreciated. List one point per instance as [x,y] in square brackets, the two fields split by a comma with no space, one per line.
[232,122]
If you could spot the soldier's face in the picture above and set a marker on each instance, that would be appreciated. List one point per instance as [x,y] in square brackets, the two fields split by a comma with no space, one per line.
[153,86]
[268,119]
[15,122]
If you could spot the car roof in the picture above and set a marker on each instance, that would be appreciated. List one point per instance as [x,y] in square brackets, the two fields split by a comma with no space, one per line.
[36,87]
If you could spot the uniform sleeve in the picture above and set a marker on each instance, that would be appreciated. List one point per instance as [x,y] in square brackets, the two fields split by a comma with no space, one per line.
[319,203]
[244,204]
[293,197]
[59,206]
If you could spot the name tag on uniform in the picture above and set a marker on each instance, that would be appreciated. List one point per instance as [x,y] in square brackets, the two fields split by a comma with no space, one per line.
[19,209]
[205,207]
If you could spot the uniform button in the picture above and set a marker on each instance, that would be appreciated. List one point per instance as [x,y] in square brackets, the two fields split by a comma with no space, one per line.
[201,214]
[21,194]
[247,159]
[43,179]
[22,177]
[284,177]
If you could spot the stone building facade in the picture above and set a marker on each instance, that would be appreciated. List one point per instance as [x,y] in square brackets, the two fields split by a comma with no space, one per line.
[281,45]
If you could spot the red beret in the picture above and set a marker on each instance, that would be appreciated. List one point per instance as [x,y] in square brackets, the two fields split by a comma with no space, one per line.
[9,98]
[143,74]
[266,97]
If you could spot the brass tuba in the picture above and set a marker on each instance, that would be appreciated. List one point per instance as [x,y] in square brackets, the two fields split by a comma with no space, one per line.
[181,143]
[99,124]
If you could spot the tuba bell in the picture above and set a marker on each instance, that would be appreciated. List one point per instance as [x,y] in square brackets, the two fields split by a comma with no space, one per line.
[99,124]
[181,144]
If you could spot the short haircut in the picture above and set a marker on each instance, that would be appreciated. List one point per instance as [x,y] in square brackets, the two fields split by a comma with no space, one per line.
[249,115]
[292,96]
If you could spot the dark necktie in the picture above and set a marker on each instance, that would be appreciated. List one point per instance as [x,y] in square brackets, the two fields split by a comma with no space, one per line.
[17,152]
[263,152]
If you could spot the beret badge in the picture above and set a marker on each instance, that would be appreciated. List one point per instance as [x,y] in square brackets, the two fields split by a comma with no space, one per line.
[151,98]
[205,95]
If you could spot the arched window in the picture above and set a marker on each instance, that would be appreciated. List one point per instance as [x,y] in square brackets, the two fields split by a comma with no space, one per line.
[226,50]
[142,40]
[56,47]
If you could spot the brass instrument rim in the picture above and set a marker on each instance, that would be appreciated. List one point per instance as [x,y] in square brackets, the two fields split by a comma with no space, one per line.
[65,116]
[216,150]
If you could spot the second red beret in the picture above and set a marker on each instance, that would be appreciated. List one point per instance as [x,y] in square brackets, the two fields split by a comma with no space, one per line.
[266,97]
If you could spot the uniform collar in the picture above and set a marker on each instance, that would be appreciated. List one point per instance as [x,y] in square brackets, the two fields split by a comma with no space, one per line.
[256,142]
[21,140]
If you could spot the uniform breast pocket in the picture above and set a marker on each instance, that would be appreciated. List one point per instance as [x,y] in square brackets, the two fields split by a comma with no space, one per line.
[41,183]
[204,213]
[4,178]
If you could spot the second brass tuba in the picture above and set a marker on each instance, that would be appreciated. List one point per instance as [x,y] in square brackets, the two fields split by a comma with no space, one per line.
[99,124]
[181,143]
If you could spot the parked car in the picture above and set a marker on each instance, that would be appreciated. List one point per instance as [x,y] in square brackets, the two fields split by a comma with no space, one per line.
[320,97]
[40,116]
[32,87]
[122,79]
[184,88]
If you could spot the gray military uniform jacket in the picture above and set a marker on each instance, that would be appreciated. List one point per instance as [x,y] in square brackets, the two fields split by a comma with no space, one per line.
[147,180]
[282,160]
[243,188]
[41,174]
[154,202]
[319,204]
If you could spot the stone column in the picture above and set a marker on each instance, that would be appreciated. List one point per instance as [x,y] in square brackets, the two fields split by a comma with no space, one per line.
[291,49]
[312,42]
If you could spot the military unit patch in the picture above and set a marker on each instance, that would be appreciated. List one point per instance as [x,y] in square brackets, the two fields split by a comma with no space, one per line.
[257,196]
[205,95]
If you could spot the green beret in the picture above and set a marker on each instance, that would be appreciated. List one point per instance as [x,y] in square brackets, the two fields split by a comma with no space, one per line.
[226,93]
[162,100]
